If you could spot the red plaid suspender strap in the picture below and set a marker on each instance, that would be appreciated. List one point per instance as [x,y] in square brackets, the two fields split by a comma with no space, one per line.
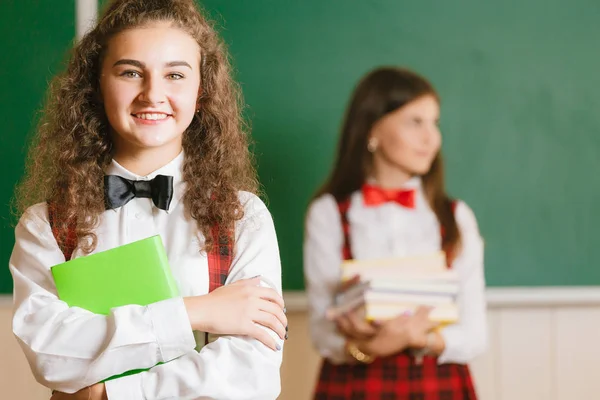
[343,207]
[70,234]
[219,259]
[449,252]
[219,262]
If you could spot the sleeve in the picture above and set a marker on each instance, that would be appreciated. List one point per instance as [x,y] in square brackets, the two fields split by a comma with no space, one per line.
[322,259]
[231,367]
[69,348]
[468,338]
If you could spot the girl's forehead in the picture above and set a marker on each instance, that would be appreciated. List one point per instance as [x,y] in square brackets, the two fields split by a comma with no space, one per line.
[154,42]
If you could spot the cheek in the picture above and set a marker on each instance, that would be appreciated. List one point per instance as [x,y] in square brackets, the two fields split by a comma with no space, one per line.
[116,99]
[185,97]
[398,143]
[184,103]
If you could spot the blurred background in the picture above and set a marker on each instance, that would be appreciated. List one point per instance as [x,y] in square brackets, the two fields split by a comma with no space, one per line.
[519,85]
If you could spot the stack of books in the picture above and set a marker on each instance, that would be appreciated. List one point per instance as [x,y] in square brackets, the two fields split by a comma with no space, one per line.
[391,287]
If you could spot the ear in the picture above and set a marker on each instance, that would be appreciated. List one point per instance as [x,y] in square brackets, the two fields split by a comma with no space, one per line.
[372,143]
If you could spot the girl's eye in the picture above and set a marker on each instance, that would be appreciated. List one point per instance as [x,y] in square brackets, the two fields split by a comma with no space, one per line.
[131,74]
[175,76]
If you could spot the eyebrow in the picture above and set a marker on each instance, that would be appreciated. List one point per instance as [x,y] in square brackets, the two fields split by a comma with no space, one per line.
[141,65]
[178,64]
[135,63]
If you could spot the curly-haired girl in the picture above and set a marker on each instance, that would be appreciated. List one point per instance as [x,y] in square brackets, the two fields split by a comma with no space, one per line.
[143,135]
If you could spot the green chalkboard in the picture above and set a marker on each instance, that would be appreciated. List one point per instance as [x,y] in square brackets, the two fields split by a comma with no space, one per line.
[520,89]
[519,86]
[35,37]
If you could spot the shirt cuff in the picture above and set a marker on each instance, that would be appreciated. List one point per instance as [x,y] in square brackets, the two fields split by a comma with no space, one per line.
[334,349]
[453,339]
[125,388]
[172,328]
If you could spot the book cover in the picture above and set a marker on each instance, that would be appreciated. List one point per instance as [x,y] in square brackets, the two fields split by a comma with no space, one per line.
[135,273]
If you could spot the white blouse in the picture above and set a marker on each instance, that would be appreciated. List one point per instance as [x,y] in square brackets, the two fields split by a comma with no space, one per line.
[391,230]
[70,348]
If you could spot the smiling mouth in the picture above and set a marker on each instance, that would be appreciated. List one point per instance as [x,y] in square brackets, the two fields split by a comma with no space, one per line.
[151,116]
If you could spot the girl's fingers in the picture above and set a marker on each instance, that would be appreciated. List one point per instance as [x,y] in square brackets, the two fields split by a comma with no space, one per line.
[274,309]
[264,337]
[270,321]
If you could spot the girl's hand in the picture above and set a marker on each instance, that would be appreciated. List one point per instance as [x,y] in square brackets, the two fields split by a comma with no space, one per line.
[354,327]
[418,326]
[399,333]
[238,309]
[347,284]
[352,324]
[94,392]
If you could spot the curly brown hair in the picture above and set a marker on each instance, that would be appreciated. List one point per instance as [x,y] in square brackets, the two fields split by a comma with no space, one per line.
[72,145]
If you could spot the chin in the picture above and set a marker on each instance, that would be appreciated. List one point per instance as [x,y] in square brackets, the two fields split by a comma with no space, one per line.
[157,139]
[421,170]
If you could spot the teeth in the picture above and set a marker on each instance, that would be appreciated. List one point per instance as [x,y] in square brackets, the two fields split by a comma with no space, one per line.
[151,116]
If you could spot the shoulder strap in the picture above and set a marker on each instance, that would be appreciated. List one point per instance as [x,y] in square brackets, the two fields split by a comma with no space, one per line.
[219,259]
[69,243]
[453,205]
[219,263]
[449,252]
[343,207]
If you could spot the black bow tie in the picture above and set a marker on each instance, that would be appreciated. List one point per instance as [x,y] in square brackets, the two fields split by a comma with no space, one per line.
[118,191]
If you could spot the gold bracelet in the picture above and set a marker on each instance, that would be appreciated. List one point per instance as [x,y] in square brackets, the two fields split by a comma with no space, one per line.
[359,355]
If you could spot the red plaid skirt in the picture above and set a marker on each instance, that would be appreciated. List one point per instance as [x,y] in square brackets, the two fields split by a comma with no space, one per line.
[395,378]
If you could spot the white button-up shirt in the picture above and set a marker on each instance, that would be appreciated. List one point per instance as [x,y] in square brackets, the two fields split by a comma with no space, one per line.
[70,348]
[391,230]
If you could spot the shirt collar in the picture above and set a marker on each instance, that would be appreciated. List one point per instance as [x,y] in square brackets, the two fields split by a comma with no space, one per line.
[413,183]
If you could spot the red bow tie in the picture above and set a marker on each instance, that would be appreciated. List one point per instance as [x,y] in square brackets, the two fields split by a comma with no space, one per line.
[374,196]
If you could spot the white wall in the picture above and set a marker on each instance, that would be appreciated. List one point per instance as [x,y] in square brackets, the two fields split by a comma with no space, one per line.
[543,345]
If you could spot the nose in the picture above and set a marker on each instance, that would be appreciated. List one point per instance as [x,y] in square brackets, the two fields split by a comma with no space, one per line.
[430,134]
[153,91]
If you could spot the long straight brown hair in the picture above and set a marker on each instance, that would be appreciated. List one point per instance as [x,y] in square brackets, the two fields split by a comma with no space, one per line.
[380,92]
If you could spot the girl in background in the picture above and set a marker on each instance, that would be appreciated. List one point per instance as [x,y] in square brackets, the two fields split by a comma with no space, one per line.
[142,135]
[386,198]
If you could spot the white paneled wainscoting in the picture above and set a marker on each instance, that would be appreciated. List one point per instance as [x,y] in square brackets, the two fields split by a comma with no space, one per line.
[544,345]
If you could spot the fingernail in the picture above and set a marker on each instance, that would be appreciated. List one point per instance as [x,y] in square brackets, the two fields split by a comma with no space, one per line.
[286,335]
[284,310]
[286,328]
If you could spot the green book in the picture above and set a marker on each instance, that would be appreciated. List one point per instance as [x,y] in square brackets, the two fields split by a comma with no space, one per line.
[135,273]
